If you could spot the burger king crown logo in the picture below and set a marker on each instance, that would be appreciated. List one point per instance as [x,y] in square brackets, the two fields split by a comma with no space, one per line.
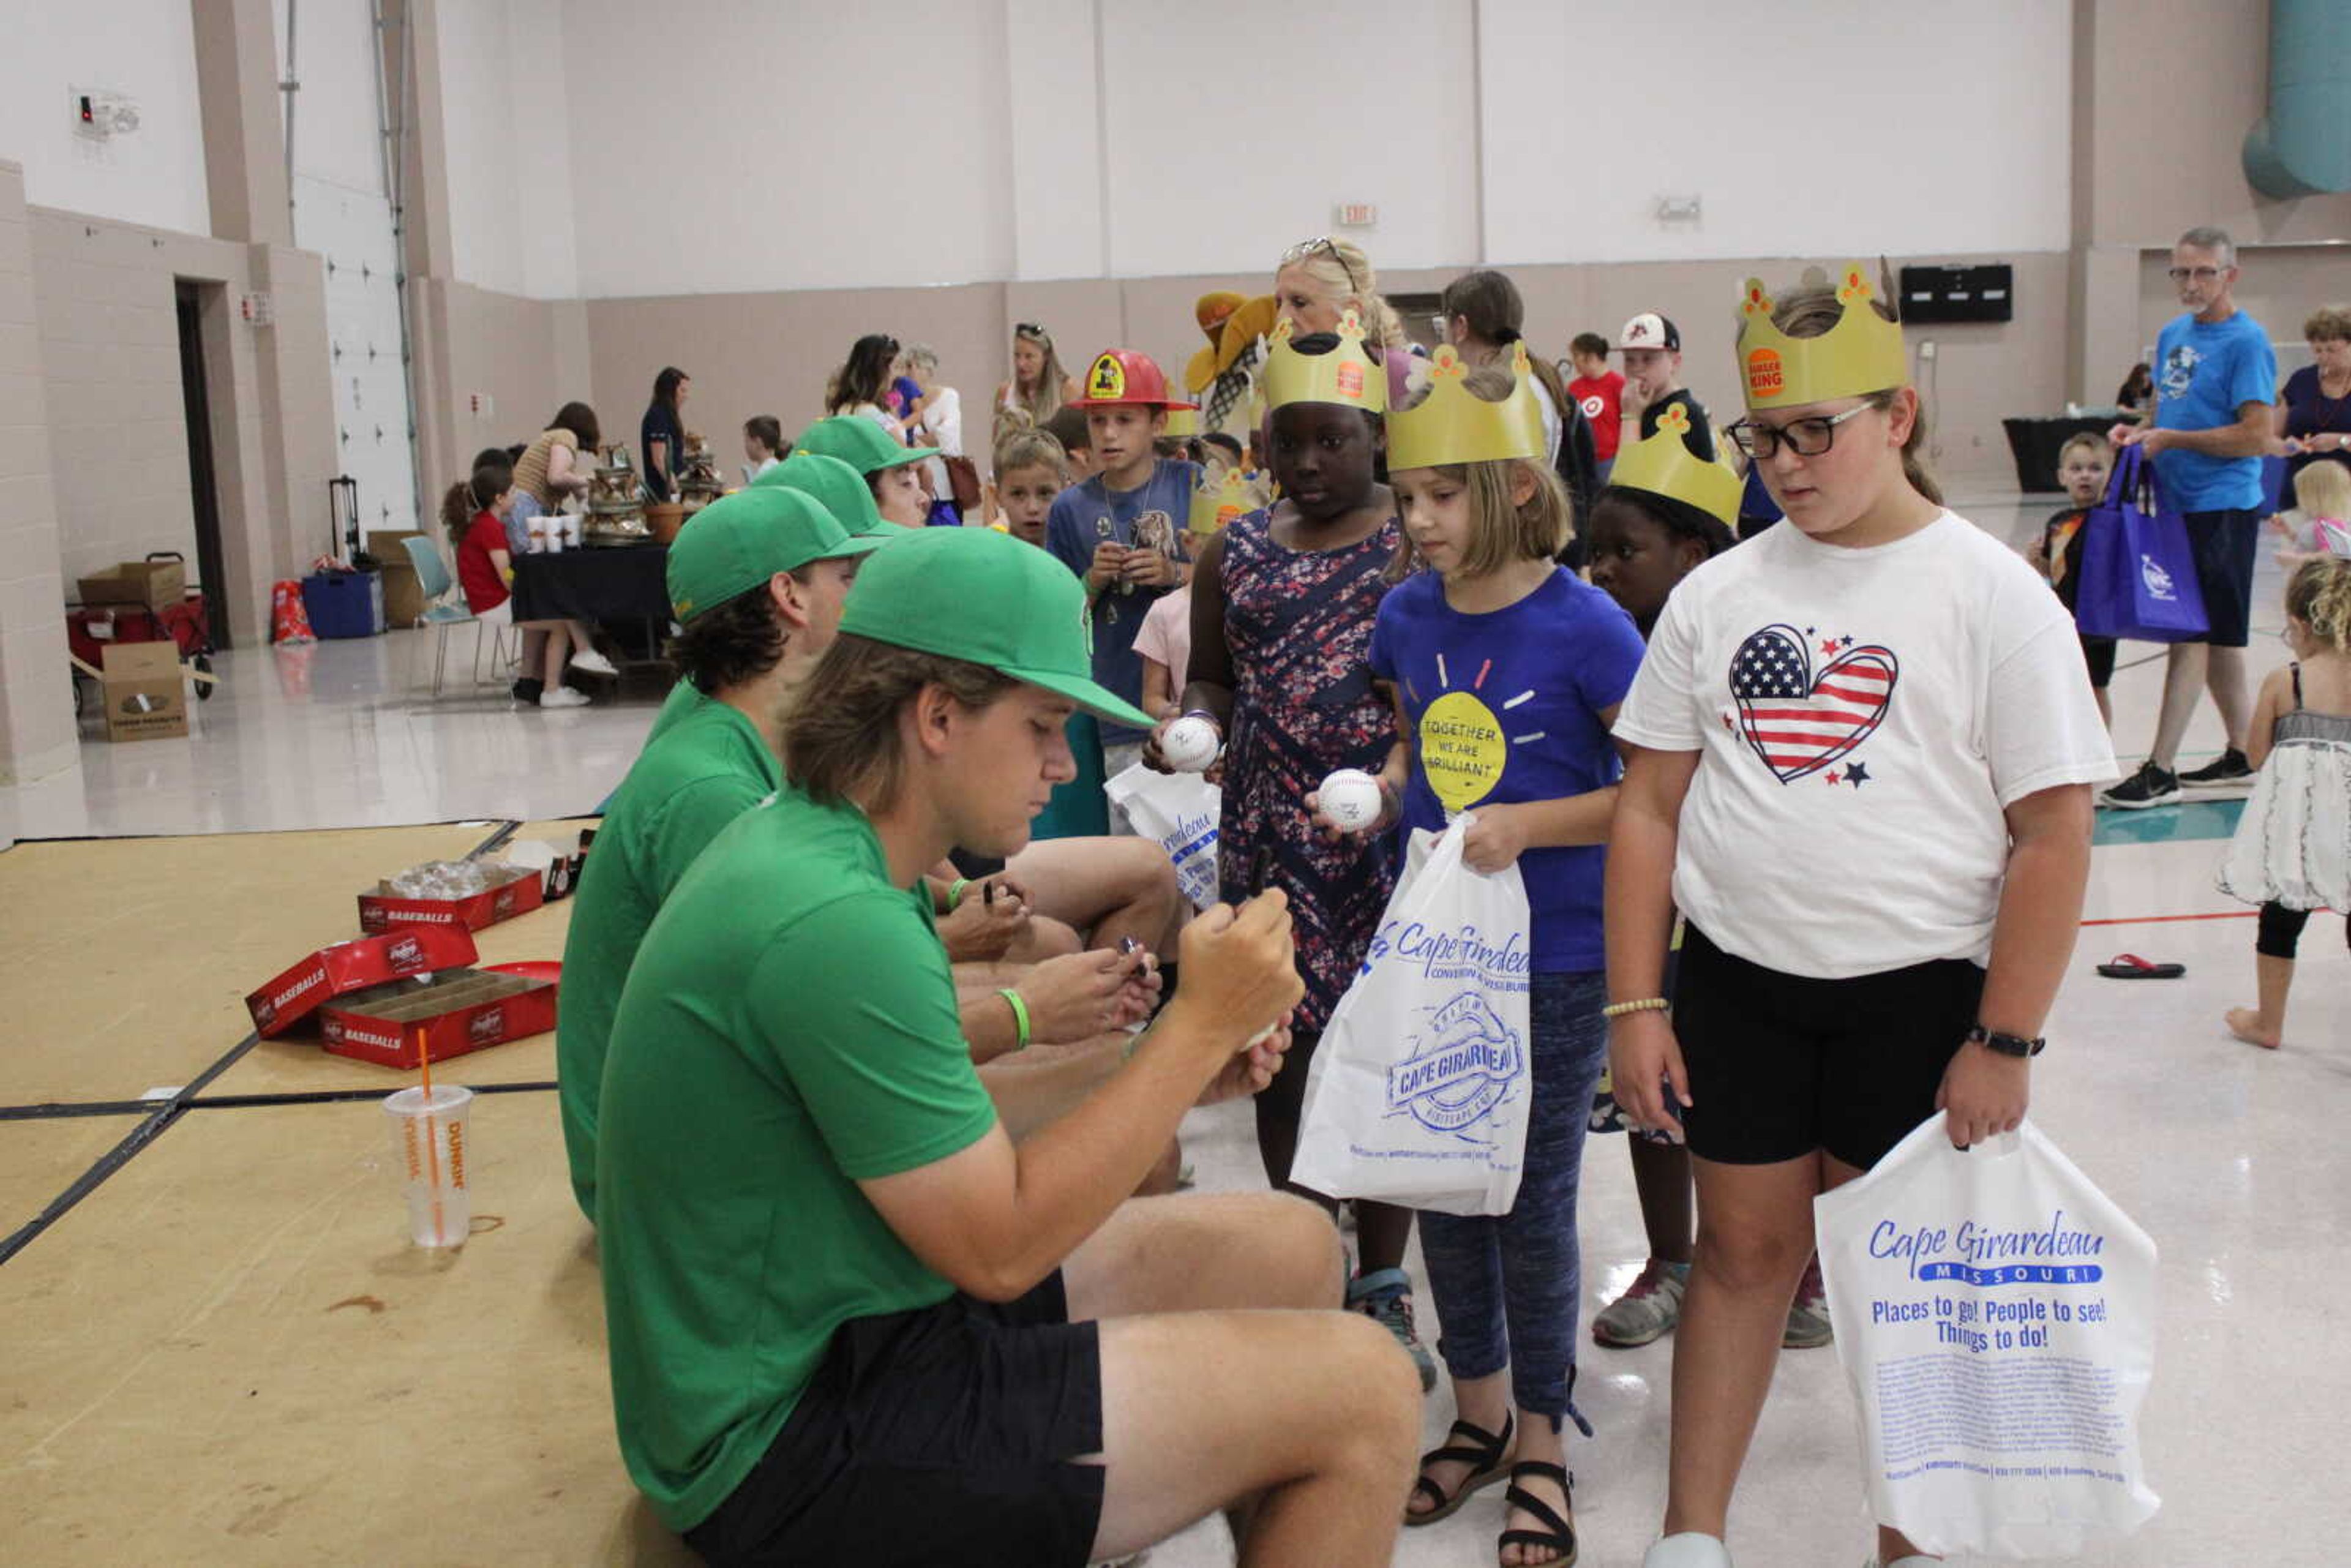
[1862,354]
[1663,464]
[1453,425]
[1214,506]
[1345,375]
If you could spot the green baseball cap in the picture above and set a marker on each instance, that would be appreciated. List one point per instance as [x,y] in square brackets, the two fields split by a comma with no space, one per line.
[989,600]
[839,489]
[741,540]
[859,443]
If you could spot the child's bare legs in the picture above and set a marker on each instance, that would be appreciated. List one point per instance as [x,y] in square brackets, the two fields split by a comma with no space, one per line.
[555,652]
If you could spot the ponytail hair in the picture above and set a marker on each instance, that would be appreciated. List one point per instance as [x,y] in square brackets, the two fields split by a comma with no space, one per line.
[468,496]
[1490,306]
[2319,596]
[1811,313]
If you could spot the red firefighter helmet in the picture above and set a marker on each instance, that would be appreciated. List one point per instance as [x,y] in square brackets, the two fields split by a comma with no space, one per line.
[1121,378]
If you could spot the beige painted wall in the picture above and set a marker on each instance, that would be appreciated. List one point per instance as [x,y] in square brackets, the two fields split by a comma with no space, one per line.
[37,718]
[104,302]
[526,357]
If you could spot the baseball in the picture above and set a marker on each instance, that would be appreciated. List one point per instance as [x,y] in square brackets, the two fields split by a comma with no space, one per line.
[1189,744]
[1350,798]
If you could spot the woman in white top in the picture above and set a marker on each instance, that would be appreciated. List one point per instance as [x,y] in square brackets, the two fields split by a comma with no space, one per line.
[1038,388]
[1859,758]
[862,382]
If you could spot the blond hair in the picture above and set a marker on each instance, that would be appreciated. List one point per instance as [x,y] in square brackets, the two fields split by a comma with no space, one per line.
[2100,447]
[1810,311]
[1029,449]
[2319,596]
[1345,273]
[1502,530]
[2323,490]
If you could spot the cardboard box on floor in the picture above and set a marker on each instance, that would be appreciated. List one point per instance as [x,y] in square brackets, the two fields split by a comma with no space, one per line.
[516,890]
[144,692]
[358,965]
[153,583]
[404,590]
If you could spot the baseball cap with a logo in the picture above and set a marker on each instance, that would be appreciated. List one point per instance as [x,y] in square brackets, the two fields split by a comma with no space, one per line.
[739,541]
[988,600]
[1649,330]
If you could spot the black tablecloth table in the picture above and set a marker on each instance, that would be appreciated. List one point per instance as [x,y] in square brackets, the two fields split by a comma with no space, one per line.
[603,585]
[2034,441]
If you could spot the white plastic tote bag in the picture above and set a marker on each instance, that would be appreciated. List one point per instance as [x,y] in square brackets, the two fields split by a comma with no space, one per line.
[1995,1313]
[1419,1090]
[1179,810]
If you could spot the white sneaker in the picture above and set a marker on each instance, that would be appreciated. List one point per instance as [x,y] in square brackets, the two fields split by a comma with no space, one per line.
[594,663]
[563,696]
[1688,1550]
[1916,1559]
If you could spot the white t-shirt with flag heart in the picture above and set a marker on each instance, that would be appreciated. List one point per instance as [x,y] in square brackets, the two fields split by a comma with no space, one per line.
[1865,716]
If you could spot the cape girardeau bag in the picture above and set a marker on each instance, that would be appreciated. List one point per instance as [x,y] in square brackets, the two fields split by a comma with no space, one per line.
[1995,1313]
[1418,1091]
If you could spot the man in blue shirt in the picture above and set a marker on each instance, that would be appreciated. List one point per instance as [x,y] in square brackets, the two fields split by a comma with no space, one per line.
[2215,382]
[1123,529]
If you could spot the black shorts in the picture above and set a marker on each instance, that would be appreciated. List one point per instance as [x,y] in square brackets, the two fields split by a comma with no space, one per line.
[941,1435]
[2224,545]
[1781,1065]
[2098,652]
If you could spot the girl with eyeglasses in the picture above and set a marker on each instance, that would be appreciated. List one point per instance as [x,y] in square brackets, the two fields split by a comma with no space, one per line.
[1860,753]
[1038,388]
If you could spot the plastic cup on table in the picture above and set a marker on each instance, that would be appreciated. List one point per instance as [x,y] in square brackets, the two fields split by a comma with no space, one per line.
[429,1128]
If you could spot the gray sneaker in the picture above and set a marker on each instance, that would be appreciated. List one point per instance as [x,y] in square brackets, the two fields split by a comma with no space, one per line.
[1647,1310]
[1384,1295]
[1808,1315]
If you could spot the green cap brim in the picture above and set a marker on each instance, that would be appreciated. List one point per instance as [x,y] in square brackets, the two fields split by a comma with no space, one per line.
[884,531]
[911,454]
[855,545]
[1094,699]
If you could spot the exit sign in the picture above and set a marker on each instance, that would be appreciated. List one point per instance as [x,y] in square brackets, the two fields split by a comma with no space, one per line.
[1357,214]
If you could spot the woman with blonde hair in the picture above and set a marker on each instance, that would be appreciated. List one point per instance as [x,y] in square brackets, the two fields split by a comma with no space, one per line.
[1039,387]
[1318,279]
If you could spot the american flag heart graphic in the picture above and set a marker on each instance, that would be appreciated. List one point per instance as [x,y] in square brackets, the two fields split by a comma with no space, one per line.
[1798,722]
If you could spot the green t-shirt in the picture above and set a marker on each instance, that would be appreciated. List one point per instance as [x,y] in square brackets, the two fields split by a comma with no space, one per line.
[706,768]
[788,1029]
[683,698]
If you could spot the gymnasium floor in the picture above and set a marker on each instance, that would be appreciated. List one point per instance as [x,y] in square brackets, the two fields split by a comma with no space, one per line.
[226,1352]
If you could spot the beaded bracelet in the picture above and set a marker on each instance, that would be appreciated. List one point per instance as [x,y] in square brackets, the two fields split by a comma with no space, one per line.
[1646,1005]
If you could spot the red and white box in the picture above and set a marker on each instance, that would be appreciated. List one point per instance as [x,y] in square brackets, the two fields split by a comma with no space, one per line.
[523,890]
[355,965]
[457,1012]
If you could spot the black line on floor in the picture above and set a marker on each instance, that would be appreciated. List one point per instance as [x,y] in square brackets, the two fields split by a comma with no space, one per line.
[69,1109]
[62,1110]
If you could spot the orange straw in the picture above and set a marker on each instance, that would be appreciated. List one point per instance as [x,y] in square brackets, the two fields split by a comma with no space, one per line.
[431,1148]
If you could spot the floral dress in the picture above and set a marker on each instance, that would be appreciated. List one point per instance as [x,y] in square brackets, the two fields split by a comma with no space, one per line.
[1299,625]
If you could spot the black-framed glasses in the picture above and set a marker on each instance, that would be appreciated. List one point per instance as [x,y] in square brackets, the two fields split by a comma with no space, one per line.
[1327,245]
[2200,274]
[1806,437]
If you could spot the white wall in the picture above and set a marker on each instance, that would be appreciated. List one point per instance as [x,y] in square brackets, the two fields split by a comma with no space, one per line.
[1217,163]
[145,48]
[507,127]
[1815,128]
[727,145]
[336,139]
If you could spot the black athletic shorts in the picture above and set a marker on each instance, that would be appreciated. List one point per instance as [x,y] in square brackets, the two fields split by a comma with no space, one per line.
[1781,1065]
[941,1435]
[2098,652]
[2225,545]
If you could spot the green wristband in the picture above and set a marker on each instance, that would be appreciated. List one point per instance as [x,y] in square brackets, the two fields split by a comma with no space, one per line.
[955,893]
[1019,1014]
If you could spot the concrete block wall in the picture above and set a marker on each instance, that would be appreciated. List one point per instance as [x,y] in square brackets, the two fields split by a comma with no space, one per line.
[36,721]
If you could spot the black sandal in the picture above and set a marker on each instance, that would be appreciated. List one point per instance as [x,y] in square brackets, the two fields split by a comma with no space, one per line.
[1486,1460]
[1560,1536]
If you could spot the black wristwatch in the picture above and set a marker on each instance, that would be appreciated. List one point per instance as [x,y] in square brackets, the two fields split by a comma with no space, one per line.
[2006,1044]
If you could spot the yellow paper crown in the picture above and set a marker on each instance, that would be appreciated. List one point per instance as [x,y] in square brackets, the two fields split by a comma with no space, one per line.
[1181,423]
[1663,464]
[1862,354]
[1453,424]
[1345,376]
[1214,506]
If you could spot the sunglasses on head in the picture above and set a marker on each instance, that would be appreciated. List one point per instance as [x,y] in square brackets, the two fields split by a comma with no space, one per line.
[1030,329]
[1325,245]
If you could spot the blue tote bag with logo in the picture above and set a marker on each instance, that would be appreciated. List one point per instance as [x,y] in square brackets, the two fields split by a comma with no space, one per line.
[2139,573]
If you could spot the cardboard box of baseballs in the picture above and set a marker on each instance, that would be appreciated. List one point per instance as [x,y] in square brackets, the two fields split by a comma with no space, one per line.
[514,890]
[144,694]
[447,1014]
[355,965]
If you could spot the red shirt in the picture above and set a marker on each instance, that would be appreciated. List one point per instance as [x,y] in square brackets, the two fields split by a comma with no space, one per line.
[476,573]
[1597,396]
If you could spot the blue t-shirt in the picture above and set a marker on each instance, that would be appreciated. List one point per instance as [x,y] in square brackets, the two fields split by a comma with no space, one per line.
[2204,373]
[1152,515]
[1507,704]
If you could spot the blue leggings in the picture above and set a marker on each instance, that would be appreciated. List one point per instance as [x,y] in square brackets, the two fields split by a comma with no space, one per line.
[1506,1287]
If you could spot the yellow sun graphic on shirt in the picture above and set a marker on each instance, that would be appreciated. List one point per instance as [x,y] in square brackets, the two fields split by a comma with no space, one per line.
[1462,748]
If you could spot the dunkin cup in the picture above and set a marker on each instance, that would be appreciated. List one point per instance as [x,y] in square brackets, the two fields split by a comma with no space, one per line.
[430,1129]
